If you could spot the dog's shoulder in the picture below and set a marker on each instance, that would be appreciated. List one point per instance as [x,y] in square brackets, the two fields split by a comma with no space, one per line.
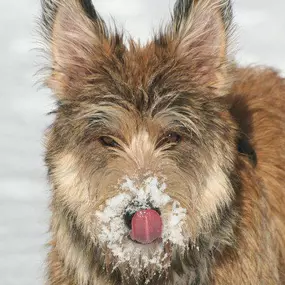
[257,99]
[259,84]
[258,105]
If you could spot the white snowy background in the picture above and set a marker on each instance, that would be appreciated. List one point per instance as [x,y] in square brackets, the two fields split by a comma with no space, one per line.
[24,192]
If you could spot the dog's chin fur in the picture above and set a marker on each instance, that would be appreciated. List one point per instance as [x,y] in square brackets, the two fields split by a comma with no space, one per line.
[189,131]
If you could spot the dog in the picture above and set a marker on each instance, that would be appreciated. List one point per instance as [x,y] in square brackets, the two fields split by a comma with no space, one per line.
[166,160]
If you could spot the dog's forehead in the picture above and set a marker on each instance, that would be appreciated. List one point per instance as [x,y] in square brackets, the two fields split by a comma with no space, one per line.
[119,116]
[130,109]
[139,69]
[141,63]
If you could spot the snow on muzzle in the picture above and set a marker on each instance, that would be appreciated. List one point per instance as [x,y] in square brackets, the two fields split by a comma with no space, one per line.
[137,215]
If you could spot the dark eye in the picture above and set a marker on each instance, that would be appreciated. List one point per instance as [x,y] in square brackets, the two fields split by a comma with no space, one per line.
[108,141]
[171,138]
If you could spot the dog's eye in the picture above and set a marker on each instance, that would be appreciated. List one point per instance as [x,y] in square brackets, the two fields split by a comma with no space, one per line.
[108,141]
[171,138]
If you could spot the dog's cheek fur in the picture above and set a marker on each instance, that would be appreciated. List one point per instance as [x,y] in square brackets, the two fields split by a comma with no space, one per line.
[73,251]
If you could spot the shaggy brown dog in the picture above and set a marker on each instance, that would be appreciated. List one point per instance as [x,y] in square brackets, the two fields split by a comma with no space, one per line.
[166,160]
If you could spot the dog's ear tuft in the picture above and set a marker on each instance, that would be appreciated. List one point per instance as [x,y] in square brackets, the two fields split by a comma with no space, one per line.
[75,34]
[183,8]
[201,29]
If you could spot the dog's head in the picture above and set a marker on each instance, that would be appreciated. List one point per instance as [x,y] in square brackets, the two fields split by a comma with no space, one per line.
[142,149]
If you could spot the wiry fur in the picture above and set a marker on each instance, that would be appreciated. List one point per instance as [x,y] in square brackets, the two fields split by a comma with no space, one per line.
[227,171]
[183,8]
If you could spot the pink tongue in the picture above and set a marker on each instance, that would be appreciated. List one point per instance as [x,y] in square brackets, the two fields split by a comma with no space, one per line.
[146,226]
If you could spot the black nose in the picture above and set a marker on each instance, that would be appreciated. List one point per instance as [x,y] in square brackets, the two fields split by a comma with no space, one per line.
[128,216]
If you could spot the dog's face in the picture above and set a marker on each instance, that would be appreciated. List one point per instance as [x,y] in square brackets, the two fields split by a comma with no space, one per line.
[142,149]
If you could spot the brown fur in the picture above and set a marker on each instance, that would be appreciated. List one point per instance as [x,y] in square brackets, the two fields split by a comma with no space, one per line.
[227,171]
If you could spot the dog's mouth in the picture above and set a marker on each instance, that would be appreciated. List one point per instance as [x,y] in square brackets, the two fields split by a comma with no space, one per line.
[145,225]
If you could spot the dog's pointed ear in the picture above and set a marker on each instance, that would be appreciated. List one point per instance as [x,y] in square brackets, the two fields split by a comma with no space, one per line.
[75,34]
[201,29]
